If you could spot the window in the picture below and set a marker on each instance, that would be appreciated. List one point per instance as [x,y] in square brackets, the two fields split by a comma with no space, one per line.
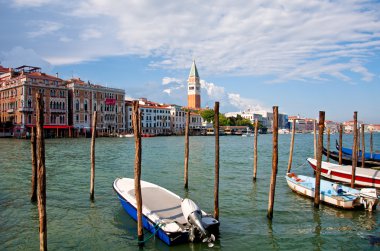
[85,105]
[77,105]
[85,118]
[191,88]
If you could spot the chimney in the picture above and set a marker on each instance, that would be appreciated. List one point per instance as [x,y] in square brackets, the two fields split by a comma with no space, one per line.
[56,74]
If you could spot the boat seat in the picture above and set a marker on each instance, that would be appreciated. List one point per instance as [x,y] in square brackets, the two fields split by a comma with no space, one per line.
[162,203]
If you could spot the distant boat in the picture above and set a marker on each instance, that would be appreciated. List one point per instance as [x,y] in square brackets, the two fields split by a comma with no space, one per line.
[172,219]
[148,135]
[347,159]
[128,135]
[248,133]
[332,193]
[283,131]
[367,156]
[366,177]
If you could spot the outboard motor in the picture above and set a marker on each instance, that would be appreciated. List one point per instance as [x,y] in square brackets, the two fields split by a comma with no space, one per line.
[193,215]
[369,198]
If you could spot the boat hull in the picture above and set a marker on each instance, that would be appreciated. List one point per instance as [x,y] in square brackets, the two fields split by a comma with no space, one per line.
[347,159]
[169,238]
[364,176]
[367,156]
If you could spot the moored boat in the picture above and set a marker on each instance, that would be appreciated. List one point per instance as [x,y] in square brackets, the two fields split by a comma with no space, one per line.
[363,176]
[334,194]
[347,159]
[367,156]
[173,219]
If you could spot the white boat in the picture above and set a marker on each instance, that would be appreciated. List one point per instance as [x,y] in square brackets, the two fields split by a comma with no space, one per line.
[366,177]
[128,135]
[173,219]
[334,194]
[248,133]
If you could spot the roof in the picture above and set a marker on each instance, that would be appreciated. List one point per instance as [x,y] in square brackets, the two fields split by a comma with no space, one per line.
[3,70]
[193,70]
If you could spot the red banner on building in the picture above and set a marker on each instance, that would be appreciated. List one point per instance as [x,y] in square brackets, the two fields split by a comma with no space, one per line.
[110,101]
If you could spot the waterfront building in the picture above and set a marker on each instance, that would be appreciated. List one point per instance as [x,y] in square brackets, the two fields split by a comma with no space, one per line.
[348,126]
[18,89]
[196,121]
[194,88]
[373,127]
[177,119]
[265,118]
[85,98]
[155,117]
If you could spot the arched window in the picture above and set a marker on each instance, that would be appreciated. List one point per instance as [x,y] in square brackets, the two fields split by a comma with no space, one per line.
[77,105]
[85,105]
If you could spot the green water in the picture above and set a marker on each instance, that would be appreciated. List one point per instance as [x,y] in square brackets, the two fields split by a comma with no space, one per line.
[74,223]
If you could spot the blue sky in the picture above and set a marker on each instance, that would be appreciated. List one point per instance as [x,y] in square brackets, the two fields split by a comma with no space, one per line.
[303,56]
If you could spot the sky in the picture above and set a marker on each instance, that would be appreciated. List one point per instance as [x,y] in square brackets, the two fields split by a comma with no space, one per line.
[302,56]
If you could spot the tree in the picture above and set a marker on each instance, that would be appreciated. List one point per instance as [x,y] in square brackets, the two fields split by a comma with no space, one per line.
[208,115]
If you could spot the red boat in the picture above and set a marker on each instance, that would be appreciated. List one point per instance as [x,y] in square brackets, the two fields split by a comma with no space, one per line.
[363,176]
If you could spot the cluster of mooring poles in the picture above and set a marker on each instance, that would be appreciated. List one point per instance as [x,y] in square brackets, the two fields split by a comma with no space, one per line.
[38,180]
[318,147]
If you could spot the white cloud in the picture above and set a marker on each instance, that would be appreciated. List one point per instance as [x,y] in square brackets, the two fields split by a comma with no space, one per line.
[213,91]
[244,103]
[44,28]
[168,80]
[285,40]
[90,34]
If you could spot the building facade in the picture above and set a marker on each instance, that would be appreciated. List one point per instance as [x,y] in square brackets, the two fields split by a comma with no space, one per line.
[18,89]
[85,98]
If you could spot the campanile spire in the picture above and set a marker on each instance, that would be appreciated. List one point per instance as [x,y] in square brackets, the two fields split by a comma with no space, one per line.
[193,88]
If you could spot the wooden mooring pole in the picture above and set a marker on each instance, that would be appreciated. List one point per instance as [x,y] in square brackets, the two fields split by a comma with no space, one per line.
[137,173]
[315,138]
[255,150]
[274,163]
[321,127]
[291,146]
[328,145]
[340,143]
[216,181]
[371,144]
[363,147]
[92,185]
[354,149]
[186,177]
[33,197]
[41,171]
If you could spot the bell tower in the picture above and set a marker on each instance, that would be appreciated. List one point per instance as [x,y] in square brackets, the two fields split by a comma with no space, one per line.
[193,88]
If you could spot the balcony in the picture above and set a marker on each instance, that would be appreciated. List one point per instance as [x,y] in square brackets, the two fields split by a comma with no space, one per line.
[26,109]
[57,110]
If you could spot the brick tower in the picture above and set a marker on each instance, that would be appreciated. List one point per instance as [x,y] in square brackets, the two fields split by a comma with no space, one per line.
[194,88]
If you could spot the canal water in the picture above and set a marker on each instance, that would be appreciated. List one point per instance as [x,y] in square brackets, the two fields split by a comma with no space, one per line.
[75,223]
